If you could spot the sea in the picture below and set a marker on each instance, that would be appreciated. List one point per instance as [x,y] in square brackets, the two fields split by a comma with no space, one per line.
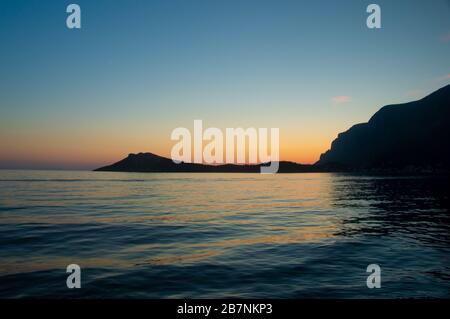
[207,235]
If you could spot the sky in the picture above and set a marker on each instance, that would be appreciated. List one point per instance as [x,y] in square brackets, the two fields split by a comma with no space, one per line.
[136,70]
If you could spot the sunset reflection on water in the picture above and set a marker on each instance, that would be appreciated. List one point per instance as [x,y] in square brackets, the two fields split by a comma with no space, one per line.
[296,231]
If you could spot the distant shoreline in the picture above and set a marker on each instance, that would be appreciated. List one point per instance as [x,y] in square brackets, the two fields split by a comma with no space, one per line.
[409,138]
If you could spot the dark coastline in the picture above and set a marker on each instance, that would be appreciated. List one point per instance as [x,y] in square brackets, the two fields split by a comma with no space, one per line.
[145,163]
[409,138]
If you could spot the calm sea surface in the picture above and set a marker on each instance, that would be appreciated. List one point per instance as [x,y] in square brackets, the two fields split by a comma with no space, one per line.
[223,235]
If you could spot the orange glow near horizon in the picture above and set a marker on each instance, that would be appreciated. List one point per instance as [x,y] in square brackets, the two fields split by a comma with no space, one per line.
[81,150]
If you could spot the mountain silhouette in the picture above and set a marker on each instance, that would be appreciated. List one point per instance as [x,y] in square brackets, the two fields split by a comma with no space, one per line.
[414,135]
[148,162]
[410,137]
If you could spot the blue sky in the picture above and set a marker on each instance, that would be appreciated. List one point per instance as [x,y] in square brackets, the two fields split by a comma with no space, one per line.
[138,69]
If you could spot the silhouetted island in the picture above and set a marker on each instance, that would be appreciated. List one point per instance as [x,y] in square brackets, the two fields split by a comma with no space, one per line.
[148,162]
[410,137]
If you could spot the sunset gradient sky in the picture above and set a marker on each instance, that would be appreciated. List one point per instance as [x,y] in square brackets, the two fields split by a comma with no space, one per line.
[79,99]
